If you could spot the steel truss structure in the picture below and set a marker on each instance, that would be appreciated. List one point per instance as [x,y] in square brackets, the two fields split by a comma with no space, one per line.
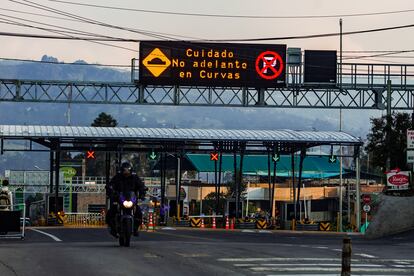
[77,185]
[361,86]
[44,189]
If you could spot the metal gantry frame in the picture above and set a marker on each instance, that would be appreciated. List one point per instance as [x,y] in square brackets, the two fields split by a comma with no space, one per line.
[364,86]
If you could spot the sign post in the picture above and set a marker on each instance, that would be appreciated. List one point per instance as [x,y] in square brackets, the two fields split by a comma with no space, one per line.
[367,209]
[398,180]
[366,199]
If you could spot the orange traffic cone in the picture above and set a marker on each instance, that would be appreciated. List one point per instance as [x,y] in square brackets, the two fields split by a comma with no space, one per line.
[151,223]
[232,224]
[227,223]
[214,223]
[142,226]
[202,223]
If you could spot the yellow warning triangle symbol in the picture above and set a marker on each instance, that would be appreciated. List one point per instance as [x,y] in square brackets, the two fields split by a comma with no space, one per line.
[156,62]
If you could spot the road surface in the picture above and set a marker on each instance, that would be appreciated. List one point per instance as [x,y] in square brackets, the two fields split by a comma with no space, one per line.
[175,251]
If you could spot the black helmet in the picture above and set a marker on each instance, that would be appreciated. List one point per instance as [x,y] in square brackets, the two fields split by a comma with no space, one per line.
[126,166]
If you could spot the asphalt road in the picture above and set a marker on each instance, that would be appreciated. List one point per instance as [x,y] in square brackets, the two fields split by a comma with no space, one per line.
[71,251]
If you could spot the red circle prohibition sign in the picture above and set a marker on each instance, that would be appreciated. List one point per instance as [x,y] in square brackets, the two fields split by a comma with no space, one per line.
[268,65]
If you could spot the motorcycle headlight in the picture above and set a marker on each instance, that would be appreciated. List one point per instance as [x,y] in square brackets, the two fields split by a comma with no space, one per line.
[127,204]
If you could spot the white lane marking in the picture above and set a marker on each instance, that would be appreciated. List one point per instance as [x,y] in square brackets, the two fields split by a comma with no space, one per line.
[310,275]
[318,265]
[192,255]
[402,266]
[402,262]
[277,259]
[47,234]
[296,269]
[168,228]
[365,255]
[321,274]
[397,261]
[320,247]
[248,231]
[150,255]
[329,269]
[265,231]
[336,249]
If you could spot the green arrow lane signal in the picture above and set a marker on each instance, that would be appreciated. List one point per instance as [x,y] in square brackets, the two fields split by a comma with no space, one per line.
[276,157]
[332,159]
[153,155]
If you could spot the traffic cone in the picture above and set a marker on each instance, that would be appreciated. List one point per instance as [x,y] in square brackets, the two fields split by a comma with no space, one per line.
[150,224]
[142,226]
[202,223]
[232,224]
[214,223]
[227,223]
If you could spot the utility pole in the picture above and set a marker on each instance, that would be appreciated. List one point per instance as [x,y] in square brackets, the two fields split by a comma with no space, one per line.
[340,129]
[388,137]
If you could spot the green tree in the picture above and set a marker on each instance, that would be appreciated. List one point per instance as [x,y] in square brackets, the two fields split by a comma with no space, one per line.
[232,186]
[96,167]
[379,147]
[104,120]
[209,202]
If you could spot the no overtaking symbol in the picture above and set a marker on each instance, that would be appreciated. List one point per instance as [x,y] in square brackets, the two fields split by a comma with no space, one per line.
[267,62]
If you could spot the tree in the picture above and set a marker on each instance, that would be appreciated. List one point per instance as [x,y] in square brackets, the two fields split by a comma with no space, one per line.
[232,186]
[96,167]
[209,203]
[379,147]
[104,120]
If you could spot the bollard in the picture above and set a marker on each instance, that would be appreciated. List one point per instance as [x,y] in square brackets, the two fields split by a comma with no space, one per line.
[346,257]
[202,223]
[293,224]
[214,223]
[142,226]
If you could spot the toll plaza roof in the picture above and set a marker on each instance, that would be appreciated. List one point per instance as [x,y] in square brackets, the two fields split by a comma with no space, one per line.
[75,133]
[313,166]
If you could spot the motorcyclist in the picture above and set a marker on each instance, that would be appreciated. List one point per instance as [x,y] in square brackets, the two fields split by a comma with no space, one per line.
[124,181]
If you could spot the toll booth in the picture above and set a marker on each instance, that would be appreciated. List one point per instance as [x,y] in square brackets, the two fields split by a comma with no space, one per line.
[50,199]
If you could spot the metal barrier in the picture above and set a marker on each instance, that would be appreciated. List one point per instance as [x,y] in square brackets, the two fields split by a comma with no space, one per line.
[307,226]
[84,219]
[244,223]
[206,221]
[12,221]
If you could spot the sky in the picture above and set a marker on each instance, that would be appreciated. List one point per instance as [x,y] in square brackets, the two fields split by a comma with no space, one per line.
[216,28]
[209,27]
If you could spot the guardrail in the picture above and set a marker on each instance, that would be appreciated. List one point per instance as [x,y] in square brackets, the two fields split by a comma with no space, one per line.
[84,219]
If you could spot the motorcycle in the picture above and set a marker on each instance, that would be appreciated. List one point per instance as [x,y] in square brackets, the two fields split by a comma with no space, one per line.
[125,217]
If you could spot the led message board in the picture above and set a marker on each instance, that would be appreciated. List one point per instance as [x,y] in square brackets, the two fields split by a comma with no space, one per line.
[212,64]
[320,66]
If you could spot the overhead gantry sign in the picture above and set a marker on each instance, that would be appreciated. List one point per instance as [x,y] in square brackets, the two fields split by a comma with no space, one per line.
[212,64]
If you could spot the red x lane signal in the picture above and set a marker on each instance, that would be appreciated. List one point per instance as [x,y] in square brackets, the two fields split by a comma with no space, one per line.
[90,154]
[214,156]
